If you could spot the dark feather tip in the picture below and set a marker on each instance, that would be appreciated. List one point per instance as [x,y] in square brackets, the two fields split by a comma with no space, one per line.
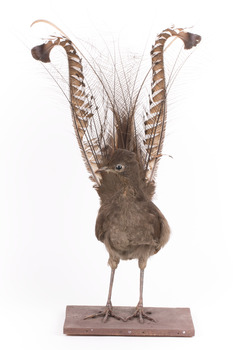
[41,53]
[192,40]
[189,39]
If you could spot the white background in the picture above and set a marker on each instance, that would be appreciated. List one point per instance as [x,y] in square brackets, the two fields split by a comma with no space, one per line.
[49,256]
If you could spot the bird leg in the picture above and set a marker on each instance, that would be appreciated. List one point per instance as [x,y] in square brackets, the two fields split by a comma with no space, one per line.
[108,312]
[139,308]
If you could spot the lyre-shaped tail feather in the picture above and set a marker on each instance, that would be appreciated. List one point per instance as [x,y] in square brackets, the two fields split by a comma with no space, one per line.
[79,101]
[112,119]
[155,124]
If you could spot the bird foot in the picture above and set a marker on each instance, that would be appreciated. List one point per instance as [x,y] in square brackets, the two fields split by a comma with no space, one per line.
[108,312]
[140,314]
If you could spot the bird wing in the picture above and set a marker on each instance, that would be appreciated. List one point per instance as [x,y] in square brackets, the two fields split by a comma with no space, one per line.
[155,123]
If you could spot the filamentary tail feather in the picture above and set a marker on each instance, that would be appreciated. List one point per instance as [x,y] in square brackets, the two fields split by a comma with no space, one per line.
[113,122]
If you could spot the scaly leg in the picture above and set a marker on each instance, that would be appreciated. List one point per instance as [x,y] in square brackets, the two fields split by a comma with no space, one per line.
[108,312]
[139,309]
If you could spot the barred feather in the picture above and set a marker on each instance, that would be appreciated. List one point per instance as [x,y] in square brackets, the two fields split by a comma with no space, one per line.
[113,119]
[155,125]
[79,100]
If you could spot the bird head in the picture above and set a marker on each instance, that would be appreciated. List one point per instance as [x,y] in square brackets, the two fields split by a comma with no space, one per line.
[123,164]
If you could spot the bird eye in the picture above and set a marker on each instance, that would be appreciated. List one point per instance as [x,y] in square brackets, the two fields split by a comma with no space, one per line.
[119,167]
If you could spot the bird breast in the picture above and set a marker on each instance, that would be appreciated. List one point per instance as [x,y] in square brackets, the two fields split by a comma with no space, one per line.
[129,226]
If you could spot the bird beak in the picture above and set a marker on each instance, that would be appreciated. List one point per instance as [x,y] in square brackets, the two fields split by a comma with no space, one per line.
[104,168]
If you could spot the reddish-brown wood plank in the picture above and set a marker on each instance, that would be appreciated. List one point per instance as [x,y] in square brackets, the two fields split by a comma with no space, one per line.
[170,322]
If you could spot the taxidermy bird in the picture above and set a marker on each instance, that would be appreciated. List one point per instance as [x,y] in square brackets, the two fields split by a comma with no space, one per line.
[121,144]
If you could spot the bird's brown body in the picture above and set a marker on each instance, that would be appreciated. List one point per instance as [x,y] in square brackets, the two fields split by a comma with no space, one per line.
[128,223]
[121,145]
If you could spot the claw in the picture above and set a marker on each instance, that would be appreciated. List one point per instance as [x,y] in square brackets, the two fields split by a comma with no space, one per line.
[108,312]
[140,314]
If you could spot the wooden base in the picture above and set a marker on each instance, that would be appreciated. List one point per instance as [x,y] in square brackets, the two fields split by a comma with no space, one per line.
[170,322]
